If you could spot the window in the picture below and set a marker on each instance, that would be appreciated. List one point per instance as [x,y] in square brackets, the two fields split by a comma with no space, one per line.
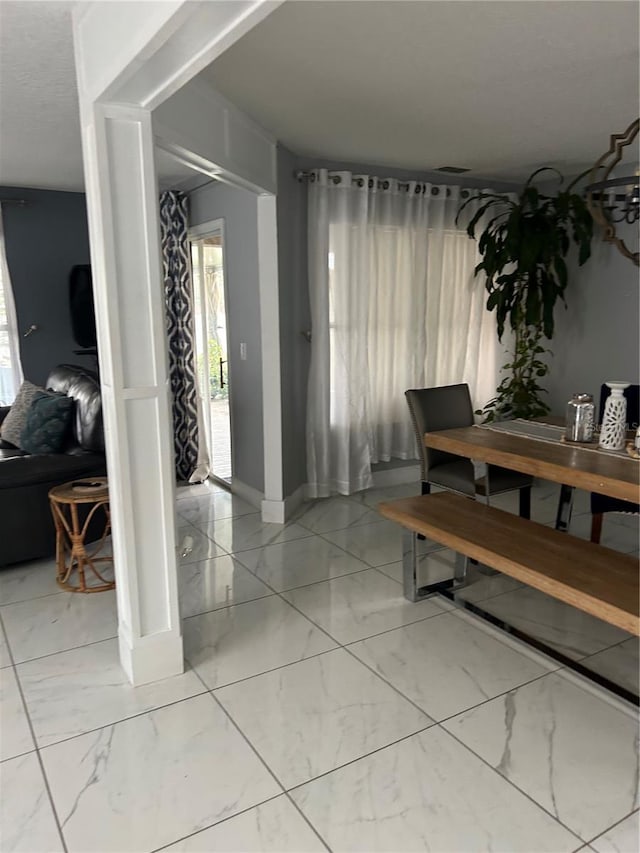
[10,369]
[394,305]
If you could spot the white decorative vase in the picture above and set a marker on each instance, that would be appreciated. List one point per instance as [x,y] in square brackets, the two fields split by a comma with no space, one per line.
[614,420]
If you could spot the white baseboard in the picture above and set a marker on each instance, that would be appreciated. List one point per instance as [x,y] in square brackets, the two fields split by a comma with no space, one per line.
[294,500]
[247,493]
[274,512]
[278,512]
[152,658]
[396,476]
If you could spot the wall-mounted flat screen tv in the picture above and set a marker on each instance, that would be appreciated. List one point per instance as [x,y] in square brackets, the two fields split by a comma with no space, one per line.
[83,318]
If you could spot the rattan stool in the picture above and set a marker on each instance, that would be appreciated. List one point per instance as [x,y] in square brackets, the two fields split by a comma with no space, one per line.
[71,553]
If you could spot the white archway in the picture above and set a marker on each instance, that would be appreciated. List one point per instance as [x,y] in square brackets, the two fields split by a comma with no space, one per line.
[130,60]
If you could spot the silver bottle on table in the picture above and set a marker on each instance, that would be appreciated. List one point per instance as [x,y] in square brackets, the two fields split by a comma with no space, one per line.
[580,418]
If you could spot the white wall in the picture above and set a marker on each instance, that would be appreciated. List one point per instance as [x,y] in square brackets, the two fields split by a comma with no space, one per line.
[596,337]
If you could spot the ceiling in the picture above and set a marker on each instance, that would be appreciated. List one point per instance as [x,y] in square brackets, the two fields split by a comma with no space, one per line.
[40,142]
[40,127]
[499,87]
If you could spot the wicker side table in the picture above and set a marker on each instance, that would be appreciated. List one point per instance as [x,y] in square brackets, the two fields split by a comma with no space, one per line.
[71,552]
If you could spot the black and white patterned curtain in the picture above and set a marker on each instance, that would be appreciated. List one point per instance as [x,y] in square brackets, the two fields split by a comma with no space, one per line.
[180,330]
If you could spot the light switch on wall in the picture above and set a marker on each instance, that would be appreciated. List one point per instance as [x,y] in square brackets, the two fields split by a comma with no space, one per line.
[243,351]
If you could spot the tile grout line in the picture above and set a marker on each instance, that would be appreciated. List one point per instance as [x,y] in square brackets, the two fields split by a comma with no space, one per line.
[64,651]
[335,640]
[121,720]
[535,622]
[345,647]
[206,691]
[435,723]
[339,645]
[232,517]
[606,649]
[513,784]
[307,821]
[278,593]
[613,825]
[287,791]
[32,598]
[45,778]
[431,722]
[271,594]
[302,586]
[261,759]
[20,754]
[321,536]
[263,672]
[218,823]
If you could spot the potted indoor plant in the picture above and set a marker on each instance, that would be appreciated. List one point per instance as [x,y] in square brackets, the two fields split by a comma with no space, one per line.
[523,243]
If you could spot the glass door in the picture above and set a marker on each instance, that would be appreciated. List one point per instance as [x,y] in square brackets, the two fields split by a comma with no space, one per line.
[207,258]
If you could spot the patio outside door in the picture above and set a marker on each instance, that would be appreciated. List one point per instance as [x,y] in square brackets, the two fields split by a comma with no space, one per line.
[207,258]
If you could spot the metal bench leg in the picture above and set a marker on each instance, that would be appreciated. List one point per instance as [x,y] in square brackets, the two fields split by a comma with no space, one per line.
[410,565]
[565,505]
[412,592]
[460,571]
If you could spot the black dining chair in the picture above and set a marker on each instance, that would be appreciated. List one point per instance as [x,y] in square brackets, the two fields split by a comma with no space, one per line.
[602,503]
[448,407]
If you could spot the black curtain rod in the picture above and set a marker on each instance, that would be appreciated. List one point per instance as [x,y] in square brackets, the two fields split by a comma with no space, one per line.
[383,183]
[302,175]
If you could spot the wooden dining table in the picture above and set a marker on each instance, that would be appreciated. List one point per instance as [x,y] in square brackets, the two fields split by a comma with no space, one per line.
[567,464]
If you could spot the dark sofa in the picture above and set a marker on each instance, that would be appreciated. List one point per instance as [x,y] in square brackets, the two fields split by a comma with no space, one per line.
[26,525]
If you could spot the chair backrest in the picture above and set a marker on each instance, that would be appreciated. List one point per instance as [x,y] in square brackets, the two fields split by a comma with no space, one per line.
[632,393]
[433,409]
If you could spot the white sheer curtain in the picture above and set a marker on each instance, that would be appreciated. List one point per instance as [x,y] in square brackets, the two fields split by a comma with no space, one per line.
[10,367]
[394,305]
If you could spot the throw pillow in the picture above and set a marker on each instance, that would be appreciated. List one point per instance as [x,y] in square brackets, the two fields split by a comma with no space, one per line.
[47,424]
[14,422]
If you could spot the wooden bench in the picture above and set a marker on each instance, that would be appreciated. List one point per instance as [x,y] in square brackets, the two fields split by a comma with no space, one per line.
[595,579]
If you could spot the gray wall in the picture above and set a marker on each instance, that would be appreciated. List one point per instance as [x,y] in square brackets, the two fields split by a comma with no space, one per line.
[596,338]
[239,209]
[44,240]
[295,318]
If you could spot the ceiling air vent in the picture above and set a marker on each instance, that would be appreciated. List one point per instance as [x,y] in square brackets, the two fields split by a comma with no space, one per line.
[454,170]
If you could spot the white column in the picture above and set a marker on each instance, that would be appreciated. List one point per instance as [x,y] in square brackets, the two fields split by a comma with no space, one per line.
[139,55]
[122,202]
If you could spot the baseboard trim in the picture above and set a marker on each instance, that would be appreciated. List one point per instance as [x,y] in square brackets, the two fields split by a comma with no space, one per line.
[152,658]
[274,512]
[247,493]
[294,500]
[396,476]
[278,512]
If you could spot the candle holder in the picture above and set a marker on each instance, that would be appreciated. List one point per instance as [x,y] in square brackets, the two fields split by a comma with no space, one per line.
[614,421]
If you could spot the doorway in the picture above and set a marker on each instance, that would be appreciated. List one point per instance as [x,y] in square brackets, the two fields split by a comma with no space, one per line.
[212,365]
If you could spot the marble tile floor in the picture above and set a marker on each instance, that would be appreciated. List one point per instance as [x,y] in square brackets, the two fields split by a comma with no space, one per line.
[318,709]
